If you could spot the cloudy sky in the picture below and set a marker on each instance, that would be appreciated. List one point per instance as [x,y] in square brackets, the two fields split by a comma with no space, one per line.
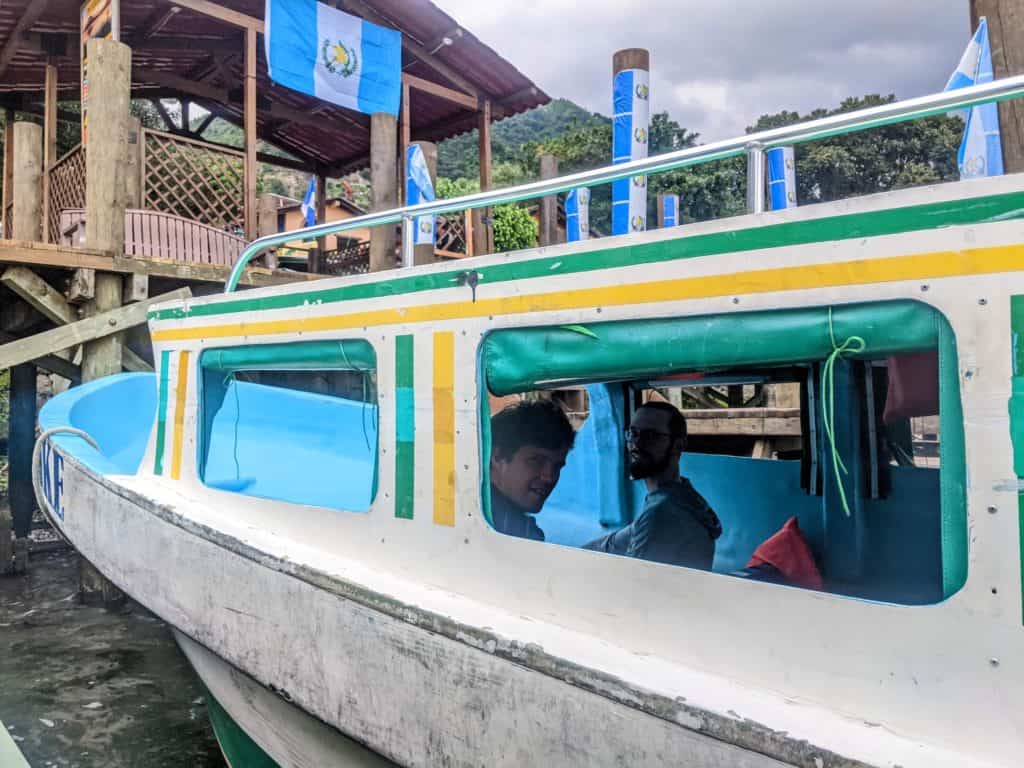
[716,65]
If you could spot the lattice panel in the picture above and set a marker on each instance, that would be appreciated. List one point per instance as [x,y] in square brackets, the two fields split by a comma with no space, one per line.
[451,233]
[67,188]
[354,260]
[194,180]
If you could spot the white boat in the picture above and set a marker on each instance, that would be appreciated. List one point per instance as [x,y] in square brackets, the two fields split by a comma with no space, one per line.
[301,491]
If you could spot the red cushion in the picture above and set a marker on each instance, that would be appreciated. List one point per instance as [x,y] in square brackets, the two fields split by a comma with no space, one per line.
[787,552]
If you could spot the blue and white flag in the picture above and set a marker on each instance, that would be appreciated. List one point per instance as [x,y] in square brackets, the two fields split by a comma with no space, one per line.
[308,206]
[577,214]
[781,178]
[630,124]
[669,210]
[333,56]
[981,150]
[419,189]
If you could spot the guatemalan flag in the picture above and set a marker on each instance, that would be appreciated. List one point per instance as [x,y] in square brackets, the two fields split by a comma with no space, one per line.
[308,206]
[333,56]
[981,151]
[419,189]
[630,124]
[781,178]
[577,214]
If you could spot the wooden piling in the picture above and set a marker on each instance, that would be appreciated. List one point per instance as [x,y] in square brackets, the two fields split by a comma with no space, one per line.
[424,254]
[548,205]
[384,186]
[107,166]
[20,437]
[266,224]
[28,182]
[483,226]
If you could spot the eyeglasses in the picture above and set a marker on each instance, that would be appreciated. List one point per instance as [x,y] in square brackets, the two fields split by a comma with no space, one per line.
[636,436]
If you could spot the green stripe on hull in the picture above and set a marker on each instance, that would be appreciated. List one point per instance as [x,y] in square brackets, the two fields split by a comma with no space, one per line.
[161,413]
[239,750]
[1017,414]
[855,225]
[405,427]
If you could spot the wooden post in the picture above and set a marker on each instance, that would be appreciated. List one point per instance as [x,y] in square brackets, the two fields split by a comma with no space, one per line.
[266,224]
[317,264]
[107,165]
[549,204]
[1006,37]
[424,254]
[21,436]
[8,181]
[27,182]
[135,287]
[383,187]
[405,131]
[483,229]
[49,140]
[251,169]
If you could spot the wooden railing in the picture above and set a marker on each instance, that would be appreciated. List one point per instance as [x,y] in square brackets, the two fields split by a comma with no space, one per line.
[67,189]
[163,236]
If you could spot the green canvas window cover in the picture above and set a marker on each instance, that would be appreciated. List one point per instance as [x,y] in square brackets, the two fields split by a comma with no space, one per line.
[523,359]
[344,355]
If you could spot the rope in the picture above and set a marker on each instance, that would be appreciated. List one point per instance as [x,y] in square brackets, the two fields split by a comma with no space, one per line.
[852,346]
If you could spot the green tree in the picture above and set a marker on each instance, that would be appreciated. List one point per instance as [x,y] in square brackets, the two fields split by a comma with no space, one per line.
[890,157]
[514,228]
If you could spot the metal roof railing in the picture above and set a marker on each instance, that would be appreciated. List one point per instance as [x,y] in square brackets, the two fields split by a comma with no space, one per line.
[753,145]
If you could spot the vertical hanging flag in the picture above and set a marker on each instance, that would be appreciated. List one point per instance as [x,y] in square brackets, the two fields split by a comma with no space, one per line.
[419,189]
[308,206]
[334,56]
[981,150]
[630,123]
[577,214]
[669,210]
[781,178]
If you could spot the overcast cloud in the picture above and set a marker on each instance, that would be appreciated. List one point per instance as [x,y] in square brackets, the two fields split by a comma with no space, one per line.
[716,65]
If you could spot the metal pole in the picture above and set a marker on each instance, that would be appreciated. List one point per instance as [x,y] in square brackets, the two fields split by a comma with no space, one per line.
[755,177]
[834,125]
[408,241]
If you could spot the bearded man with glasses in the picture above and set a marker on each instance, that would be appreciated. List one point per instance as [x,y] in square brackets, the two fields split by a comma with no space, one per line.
[676,525]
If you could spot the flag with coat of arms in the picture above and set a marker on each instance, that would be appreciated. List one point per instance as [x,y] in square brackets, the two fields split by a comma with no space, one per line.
[981,150]
[334,56]
[419,189]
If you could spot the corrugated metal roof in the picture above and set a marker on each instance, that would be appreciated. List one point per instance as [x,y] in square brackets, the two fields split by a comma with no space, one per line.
[177,42]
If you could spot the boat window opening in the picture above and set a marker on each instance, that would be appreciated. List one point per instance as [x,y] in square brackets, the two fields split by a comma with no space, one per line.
[292,422]
[876,511]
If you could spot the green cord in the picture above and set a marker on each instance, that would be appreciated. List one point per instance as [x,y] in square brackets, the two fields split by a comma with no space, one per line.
[853,345]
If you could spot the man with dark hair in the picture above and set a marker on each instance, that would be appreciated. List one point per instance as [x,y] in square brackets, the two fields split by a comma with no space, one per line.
[529,443]
[676,525]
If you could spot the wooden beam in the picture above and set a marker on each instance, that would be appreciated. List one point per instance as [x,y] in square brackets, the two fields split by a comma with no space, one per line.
[184,86]
[250,169]
[436,89]
[132,362]
[168,122]
[363,9]
[405,137]
[92,328]
[210,117]
[51,363]
[153,23]
[38,293]
[28,17]
[40,255]
[49,139]
[221,13]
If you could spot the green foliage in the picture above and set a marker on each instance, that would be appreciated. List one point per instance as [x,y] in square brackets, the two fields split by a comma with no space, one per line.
[458,157]
[514,228]
[891,157]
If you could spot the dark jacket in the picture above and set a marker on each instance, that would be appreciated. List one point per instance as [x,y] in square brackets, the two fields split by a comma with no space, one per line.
[676,526]
[510,518]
